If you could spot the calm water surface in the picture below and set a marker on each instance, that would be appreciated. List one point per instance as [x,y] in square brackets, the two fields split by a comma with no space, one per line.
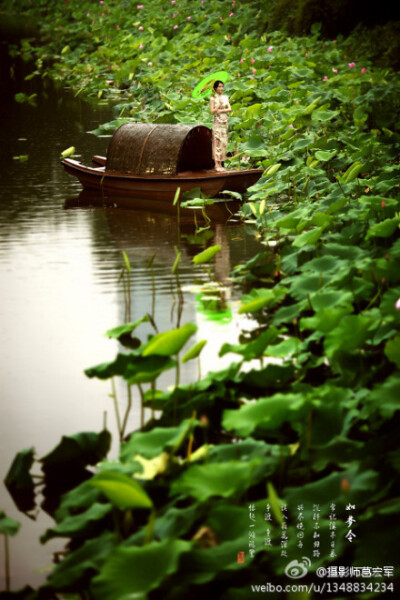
[60,289]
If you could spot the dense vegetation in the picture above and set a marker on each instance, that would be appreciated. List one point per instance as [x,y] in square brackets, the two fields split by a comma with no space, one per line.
[316,426]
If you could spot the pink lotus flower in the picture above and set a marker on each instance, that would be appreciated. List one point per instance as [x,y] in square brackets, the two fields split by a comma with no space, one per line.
[253,71]
[363,70]
[253,60]
[140,28]
[269,49]
[140,6]
[325,78]
[351,65]
[149,64]
[241,60]
[141,47]
[188,18]
[220,18]
[334,70]
[172,1]
[383,204]
[238,74]
[297,101]
[117,27]
[397,305]
[175,26]
[231,14]
[291,126]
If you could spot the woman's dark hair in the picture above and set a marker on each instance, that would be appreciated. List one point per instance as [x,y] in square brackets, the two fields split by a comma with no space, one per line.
[216,84]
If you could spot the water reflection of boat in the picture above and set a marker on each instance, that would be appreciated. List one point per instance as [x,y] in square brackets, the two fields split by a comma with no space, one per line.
[218,211]
[149,162]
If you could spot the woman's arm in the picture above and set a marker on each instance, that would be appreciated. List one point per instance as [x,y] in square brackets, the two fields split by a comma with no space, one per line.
[213,110]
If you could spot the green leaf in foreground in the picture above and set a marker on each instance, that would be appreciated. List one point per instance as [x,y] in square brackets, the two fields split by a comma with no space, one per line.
[260,298]
[268,414]
[123,491]
[169,342]
[117,332]
[215,479]
[392,350]
[131,572]
[194,351]
[206,255]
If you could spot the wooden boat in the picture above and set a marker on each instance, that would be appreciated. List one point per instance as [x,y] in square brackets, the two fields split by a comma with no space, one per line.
[150,162]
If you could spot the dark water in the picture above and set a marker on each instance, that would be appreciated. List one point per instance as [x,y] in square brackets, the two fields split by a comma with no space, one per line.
[60,288]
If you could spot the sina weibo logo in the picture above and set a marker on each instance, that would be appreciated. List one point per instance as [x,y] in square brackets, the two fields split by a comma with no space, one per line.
[297,569]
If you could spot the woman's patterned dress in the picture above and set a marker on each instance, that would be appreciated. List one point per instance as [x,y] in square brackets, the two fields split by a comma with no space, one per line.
[220,128]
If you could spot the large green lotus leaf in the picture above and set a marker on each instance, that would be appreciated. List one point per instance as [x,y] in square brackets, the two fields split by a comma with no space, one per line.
[117,332]
[392,350]
[152,443]
[328,413]
[217,479]
[303,285]
[284,349]
[254,348]
[19,481]
[8,526]
[77,499]
[132,572]
[385,397]
[261,298]
[325,155]
[327,298]
[384,229]
[286,314]
[271,376]
[323,264]
[129,366]
[79,526]
[346,252]
[324,115]
[325,319]
[169,342]
[177,522]
[71,574]
[81,449]
[267,413]
[121,490]
[350,334]
[339,451]
[308,238]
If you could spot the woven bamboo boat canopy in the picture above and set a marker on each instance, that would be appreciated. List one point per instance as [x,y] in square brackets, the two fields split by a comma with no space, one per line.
[164,149]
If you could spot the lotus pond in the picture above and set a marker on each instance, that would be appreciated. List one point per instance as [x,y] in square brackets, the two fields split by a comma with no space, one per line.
[287,457]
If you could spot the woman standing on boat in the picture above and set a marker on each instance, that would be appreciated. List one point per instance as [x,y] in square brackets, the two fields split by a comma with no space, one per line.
[219,107]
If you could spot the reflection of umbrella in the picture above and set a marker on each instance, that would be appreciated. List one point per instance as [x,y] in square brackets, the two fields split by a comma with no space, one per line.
[205,87]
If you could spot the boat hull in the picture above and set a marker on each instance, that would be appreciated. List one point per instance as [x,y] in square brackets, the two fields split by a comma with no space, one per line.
[156,187]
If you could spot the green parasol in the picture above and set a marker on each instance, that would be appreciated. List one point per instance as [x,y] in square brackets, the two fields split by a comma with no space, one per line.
[205,87]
